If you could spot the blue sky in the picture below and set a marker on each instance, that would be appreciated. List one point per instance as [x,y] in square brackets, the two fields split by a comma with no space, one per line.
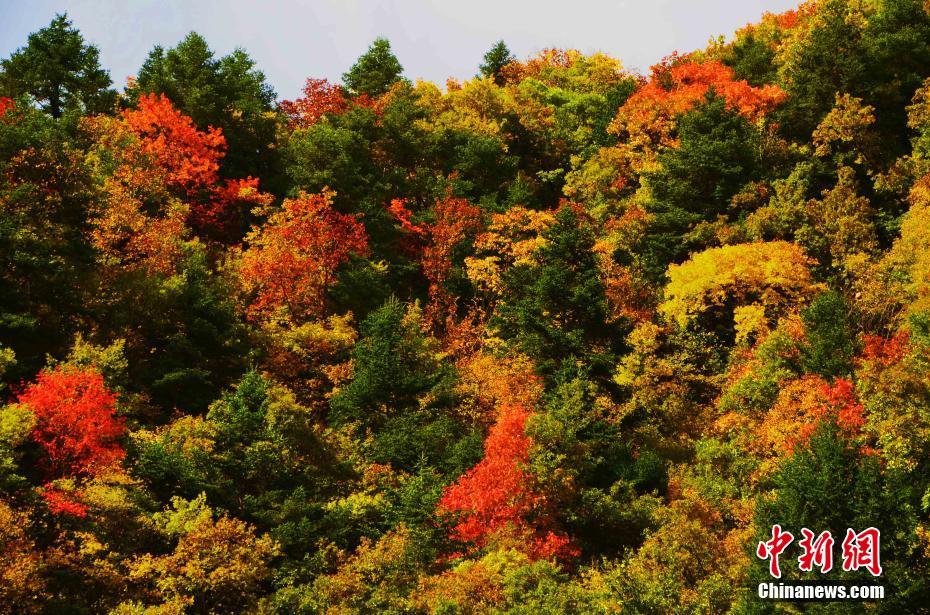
[295,39]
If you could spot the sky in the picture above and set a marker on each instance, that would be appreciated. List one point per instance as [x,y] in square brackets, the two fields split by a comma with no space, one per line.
[434,39]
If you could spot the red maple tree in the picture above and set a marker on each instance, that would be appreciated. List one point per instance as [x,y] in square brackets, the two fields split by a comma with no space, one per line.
[842,407]
[496,496]
[456,219]
[292,259]
[62,503]
[220,215]
[679,84]
[190,160]
[76,423]
[5,105]
[320,99]
[190,156]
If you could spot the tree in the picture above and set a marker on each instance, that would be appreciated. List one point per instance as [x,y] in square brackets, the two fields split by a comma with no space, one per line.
[671,570]
[831,343]
[404,394]
[599,486]
[185,340]
[76,423]
[717,153]
[456,219]
[375,71]
[895,289]
[291,260]
[60,71]
[20,564]
[161,170]
[496,497]
[392,366]
[336,154]
[802,405]
[511,238]
[752,53]
[846,47]
[320,98]
[156,174]
[774,275]
[374,579]
[495,59]
[840,232]
[216,565]
[554,309]
[227,93]
[676,86]
[262,456]
[847,127]
[190,156]
[45,202]
[193,160]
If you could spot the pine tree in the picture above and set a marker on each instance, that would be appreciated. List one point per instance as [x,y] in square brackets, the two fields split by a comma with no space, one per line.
[495,59]
[59,70]
[375,71]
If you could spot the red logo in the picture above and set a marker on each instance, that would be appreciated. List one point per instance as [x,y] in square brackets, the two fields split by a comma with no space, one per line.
[860,550]
[817,552]
[771,549]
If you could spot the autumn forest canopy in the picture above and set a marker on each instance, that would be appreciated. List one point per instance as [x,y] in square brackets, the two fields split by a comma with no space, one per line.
[560,338]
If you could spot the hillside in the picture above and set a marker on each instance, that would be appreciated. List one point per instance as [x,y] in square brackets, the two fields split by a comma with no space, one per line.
[561,338]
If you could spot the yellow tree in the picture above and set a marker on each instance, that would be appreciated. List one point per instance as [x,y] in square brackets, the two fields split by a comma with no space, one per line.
[217,564]
[773,275]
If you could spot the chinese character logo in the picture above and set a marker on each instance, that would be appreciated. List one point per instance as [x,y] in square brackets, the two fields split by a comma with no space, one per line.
[817,552]
[771,549]
[859,550]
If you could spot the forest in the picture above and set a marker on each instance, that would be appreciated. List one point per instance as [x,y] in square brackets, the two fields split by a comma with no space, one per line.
[559,338]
